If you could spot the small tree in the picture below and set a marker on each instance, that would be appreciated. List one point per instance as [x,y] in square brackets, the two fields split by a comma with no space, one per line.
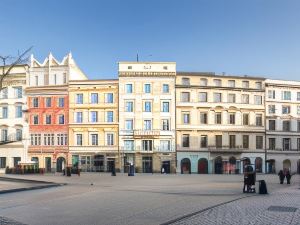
[8,63]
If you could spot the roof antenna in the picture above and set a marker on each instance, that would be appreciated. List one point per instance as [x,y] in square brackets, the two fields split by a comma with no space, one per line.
[137,57]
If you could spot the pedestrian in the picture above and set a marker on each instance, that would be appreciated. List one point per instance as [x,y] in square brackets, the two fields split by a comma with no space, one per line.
[281,176]
[78,171]
[163,170]
[288,177]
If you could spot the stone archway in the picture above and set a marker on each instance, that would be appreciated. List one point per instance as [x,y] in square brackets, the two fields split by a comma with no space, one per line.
[60,164]
[186,166]
[218,165]
[286,165]
[258,164]
[202,166]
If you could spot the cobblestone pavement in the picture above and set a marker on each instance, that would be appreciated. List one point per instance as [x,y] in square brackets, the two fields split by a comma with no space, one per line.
[280,207]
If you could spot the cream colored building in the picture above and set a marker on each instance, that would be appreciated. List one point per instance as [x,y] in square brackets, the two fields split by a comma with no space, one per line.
[147,116]
[93,125]
[13,124]
[220,121]
[283,125]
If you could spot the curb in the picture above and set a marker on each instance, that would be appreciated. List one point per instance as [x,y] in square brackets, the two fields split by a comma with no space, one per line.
[13,179]
[30,188]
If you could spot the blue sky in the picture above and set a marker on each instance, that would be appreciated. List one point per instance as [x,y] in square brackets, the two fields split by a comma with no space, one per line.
[253,37]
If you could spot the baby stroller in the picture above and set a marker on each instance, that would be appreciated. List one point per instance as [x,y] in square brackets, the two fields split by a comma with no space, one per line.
[249,179]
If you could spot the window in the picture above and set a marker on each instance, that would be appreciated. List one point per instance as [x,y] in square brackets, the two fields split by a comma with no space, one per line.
[35,102]
[48,102]
[79,139]
[78,117]
[185,81]
[286,125]
[165,88]
[258,85]
[218,118]
[4,112]
[217,97]
[94,139]
[165,107]
[4,93]
[245,84]
[286,144]
[147,145]
[62,139]
[298,109]
[19,134]
[272,143]
[272,124]
[245,99]
[259,142]
[129,67]
[79,98]
[298,96]
[94,98]
[286,95]
[128,106]
[217,82]
[186,117]
[147,125]
[4,135]
[61,119]
[35,119]
[286,109]
[147,106]
[110,116]
[109,139]
[203,82]
[165,124]
[231,118]
[218,141]
[245,141]
[48,119]
[129,124]
[128,88]
[109,98]
[245,119]
[259,120]
[271,109]
[55,79]
[202,97]
[298,144]
[185,96]
[94,116]
[258,99]
[298,125]
[35,139]
[203,142]
[64,78]
[147,88]
[271,94]
[128,145]
[231,83]
[48,139]
[186,140]
[165,145]
[231,141]
[61,102]
[203,118]
[165,67]
[18,92]
[2,162]
[231,98]
[36,80]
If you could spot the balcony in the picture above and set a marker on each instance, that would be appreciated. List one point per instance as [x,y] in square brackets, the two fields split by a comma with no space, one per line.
[284,150]
[10,139]
[141,150]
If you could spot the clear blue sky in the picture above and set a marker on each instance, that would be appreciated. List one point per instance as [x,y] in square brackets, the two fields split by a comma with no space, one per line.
[253,37]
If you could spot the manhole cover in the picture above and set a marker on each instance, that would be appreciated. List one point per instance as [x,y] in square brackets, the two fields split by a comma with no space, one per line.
[282,209]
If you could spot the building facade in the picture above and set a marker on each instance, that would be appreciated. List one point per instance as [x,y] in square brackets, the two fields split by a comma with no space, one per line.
[147,116]
[220,123]
[283,125]
[48,106]
[13,124]
[93,125]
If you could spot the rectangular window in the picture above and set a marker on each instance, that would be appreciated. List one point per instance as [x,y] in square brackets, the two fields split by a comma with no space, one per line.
[298,125]
[231,83]
[35,139]
[286,144]
[298,109]
[48,119]
[218,118]
[78,117]
[203,141]
[258,85]
[79,98]
[18,92]
[4,112]
[79,139]
[110,116]
[48,139]
[231,98]
[298,144]
[259,142]
[4,93]
[147,145]
[203,118]
[94,116]
[218,141]
[185,96]
[258,99]
[147,106]
[286,95]
[217,97]
[165,88]
[186,140]
[110,139]
[203,82]
[128,88]
[2,162]
[147,88]
[36,80]
[272,124]
[94,98]
[35,102]
[286,125]
[61,119]
[202,97]
[259,120]
[129,124]
[61,139]
[109,98]
[246,119]
[94,139]
[165,107]
[147,125]
[272,143]
[271,109]
[4,135]
[298,96]
[165,145]
[286,109]
[186,117]
[165,124]
[232,141]
[48,102]
[64,78]
[271,94]
[245,84]
[185,81]
[245,141]
[245,99]
[217,82]
[61,102]
[128,106]
[35,119]
[129,145]
[19,134]
[231,118]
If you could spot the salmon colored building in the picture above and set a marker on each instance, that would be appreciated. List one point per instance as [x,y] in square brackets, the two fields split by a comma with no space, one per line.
[48,111]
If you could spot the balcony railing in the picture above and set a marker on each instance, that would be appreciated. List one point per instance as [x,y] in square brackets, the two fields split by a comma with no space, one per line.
[10,138]
[154,149]
[284,150]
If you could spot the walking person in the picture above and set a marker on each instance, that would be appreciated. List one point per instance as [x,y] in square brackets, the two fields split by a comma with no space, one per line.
[288,177]
[281,176]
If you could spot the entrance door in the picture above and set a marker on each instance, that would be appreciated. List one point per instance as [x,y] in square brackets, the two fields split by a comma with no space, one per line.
[110,165]
[218,165]
[202,166]
[99,163]
[147,164]
[48,164]
[167,166]
[185,166]
[60,164]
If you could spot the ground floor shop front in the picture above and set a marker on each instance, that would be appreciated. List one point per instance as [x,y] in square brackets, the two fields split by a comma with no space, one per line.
[277,161]
[11,157]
